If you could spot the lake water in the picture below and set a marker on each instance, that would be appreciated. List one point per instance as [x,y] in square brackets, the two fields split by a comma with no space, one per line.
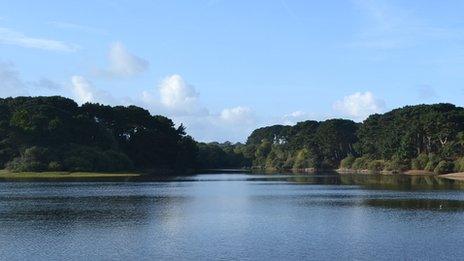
[234,216]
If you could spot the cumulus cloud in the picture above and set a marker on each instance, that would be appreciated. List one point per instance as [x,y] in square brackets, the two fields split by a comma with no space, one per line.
[122,63]
[84,91]
[175,97]
[177,94]
[295,117]
[178,100]
[359,105]
[237,115]
[10,81]
[11,37]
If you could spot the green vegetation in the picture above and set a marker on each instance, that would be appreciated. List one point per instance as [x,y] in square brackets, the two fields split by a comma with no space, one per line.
[423,137]
[58,175]
[40,134]
[55,134]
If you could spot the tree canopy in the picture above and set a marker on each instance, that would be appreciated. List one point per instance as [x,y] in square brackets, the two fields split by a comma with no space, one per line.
[40,133]
[55,133]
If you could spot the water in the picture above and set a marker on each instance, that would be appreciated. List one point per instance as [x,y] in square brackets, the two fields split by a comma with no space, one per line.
[234,216]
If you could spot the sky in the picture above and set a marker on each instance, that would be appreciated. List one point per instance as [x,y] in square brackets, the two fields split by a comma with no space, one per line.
[223,68]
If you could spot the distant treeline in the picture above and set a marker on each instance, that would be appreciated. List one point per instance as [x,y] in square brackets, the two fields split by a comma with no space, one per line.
[422,137]
[54,133]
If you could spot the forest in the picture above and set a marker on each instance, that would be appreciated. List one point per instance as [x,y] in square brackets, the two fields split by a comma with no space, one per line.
[421,137]
[56,134]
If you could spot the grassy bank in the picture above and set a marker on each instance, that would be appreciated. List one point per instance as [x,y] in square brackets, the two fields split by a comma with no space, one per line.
[60,175]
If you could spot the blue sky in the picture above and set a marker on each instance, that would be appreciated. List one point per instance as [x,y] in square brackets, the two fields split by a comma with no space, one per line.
[225,67]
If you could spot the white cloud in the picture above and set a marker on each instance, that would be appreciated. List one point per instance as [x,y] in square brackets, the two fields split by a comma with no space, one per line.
[175,97]
[295,117]
[11,37]
[84,91]
[359,105]
[122,63]
[10,81]
[178,100]
[177,94]
[237,115]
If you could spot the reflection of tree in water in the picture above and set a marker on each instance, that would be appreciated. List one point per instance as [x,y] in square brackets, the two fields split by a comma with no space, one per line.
[401,182]
[86,211]
[416,204]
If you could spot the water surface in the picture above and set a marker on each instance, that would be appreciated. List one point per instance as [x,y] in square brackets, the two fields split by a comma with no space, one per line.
[235,216]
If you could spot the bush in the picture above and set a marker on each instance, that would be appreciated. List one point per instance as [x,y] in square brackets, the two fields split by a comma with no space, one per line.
[83,158]
[432,163]
[19,164]
[421,161]
[303,160]
[376,165]
[396,164]
[54,166]
[360,163]
[118,161]
[33,159]
[288,163]
[347,162]
[459,165]
[444,167]
[74,163]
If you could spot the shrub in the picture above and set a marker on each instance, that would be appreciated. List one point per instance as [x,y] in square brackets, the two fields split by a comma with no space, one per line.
[415,164]
[288,163]
[421,161]
[33,159]
[54,166]
[74,163]
[459,165]
[303,160]
[396,164]
[360,163]
[83,158]
[432,163]
[118,161]
[376,165]
[444,167]
[347,162]
[19,164]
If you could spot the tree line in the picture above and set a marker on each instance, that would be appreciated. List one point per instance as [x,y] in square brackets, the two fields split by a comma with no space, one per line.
[55,133]
[421,137]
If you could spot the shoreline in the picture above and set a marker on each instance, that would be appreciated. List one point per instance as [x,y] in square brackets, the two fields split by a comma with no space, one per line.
[454,176]
[64,175]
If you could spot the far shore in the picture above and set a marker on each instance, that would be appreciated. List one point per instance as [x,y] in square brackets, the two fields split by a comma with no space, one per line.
[387,172]
[63,175]
[455,176]
[6,175]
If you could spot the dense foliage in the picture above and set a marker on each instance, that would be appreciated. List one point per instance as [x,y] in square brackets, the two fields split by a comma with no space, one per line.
[422,137]
[308,144]
[54,133]
[222,156]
